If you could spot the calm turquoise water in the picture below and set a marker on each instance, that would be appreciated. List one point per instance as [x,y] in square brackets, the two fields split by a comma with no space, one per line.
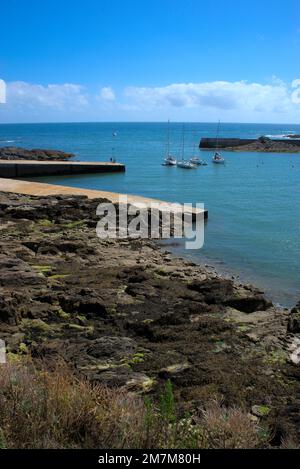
[253,202]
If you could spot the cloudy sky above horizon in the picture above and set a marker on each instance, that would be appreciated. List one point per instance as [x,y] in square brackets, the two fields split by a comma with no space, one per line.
[150,61]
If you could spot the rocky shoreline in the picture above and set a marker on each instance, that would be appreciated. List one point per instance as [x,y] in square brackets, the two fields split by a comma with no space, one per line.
[262,144]
[126,313]
[267,146]
[17,153]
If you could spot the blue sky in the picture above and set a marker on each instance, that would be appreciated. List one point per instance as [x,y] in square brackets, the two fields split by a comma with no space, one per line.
[150,60]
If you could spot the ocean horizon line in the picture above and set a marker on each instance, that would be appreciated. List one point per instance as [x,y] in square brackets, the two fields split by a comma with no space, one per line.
[147,122]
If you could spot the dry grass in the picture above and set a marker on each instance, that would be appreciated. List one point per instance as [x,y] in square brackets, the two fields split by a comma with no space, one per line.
[229,428]
[41,409]
[55,409]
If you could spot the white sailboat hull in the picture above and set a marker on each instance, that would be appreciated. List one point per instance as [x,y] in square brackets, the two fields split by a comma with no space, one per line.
[218,161]
[185,165]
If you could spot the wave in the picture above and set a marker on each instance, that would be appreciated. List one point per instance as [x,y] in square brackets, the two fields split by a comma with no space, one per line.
[283,136]
[7,141]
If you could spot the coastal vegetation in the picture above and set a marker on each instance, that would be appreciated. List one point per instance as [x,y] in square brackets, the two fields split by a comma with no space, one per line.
[55,409]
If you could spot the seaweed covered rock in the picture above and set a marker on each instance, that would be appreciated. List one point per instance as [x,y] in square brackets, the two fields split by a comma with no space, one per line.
[17,153]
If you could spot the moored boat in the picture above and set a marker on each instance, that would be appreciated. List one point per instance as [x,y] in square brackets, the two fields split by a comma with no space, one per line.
[169,160]
[186,164]
[217,158]
[197,161]
[183,163]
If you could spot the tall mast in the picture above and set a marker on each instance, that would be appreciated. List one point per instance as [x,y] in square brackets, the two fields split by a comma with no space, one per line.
[182,156]
[194,143]
[217,142]
[168,139]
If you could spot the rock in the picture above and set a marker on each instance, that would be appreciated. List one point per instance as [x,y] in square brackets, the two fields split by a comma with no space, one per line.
[112,378]
[253,418]
[8,308]
[248,301]
[253,337]
[140,383]
[260,410]
[85,303]
[294,350]
[138,277]
[287,425]
[294,320]
[16,153]
[112,348]
[222,291]
[15,272]
[140,290]
[175,369]
[212,290]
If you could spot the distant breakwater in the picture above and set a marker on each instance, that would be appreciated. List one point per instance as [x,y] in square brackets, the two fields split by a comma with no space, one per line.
[260,144]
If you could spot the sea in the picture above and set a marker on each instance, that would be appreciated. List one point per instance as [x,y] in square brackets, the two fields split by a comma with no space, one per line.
[253,201]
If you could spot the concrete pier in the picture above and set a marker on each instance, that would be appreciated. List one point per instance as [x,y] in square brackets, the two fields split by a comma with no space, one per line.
[39,189]
[29,168]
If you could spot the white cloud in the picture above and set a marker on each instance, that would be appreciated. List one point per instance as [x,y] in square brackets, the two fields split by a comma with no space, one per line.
[236,101]
[60,97]
[107,94]
[2,91]
[296,93]
[296,83]
[222,95]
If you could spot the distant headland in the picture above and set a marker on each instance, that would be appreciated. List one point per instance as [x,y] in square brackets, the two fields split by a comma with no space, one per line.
[291,144]
[17,153]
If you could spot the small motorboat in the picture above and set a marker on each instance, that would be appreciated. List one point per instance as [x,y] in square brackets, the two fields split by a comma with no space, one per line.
[170,161]
[186,164]
[197,161]
[218,159]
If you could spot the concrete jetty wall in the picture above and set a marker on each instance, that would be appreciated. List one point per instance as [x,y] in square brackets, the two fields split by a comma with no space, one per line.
[39,189]
[28,168]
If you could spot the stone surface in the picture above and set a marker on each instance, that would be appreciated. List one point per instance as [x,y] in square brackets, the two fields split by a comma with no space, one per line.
[260,410]
[294,319]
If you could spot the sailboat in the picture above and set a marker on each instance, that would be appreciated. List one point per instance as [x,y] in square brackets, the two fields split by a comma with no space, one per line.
[217,158]
[186,164]
[169,160]
[196,160]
